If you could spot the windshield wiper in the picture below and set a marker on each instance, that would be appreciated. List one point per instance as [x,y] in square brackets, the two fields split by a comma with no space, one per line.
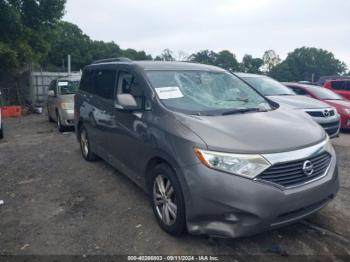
[242,111]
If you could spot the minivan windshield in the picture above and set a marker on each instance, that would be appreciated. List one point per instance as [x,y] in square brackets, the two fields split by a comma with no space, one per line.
[268,87]
[68,87]
[205,92]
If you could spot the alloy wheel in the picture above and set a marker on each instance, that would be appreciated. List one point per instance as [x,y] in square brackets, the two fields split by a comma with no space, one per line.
[164,198]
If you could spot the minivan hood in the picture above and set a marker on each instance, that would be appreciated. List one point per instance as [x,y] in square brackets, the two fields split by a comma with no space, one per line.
[299,102]
[276,131]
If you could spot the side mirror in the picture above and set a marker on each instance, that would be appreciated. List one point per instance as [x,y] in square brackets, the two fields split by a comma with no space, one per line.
[127,102]
[51,93]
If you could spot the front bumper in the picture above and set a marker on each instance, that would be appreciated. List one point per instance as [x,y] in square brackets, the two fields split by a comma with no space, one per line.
[67,117]
[331,125]
[226,205]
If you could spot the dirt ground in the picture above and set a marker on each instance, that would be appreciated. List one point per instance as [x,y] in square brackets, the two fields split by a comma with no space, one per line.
[55,203]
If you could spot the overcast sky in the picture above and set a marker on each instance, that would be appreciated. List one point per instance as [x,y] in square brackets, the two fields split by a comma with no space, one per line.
[241,26]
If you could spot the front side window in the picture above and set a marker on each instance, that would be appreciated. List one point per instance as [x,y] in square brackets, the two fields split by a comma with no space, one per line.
[299,91]
[268,86]
[203,92]
[347,85]
[105,81]
[68,87]
[129,84]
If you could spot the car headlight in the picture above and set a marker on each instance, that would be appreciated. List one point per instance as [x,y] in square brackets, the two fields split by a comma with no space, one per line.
[245,165]
[347,110]
[67,106]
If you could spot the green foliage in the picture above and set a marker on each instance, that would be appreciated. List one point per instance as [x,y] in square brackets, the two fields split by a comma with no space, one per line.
[251,65]
[227,60]
[69,39]
[224,59]
[304,62]
[25,30]
[167,55]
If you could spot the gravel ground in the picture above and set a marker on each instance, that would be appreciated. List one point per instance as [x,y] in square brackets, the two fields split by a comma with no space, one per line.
[55,203]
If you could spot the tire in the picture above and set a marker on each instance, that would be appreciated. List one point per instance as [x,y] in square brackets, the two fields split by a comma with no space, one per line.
[1,133]
[164,204]
[49,117]
[85,145]
[61,128]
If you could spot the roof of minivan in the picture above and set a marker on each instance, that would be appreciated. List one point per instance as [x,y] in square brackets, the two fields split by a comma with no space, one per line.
[167,66]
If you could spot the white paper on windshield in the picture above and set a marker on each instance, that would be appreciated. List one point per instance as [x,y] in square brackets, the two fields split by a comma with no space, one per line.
[62,83]
[169,92]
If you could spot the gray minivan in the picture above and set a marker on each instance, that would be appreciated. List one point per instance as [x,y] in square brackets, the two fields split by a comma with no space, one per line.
[215,156]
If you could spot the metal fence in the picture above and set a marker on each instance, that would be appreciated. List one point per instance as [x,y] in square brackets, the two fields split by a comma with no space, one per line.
[29,89]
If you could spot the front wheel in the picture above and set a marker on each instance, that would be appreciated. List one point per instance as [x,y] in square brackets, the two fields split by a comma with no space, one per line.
[61,128]
[167,200]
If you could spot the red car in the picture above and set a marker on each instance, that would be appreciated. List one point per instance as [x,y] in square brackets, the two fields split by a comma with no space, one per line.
[331,98]
[339,86]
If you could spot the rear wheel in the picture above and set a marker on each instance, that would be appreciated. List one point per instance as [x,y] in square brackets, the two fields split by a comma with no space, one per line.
[1,133]
[49,116]
[85,145]
[167,200]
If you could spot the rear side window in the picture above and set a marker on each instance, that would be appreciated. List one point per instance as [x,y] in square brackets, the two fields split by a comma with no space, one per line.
[86,81]
[104,83]
[338,85]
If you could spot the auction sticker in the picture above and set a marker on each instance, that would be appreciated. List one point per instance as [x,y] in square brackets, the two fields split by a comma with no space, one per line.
[62,83]
[169,92]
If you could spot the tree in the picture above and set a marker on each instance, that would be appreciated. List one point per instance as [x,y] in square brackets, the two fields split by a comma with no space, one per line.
[306,64]
[251,65]
[167,55]
[204,57]
[271,59]
[25,30]
[225,59]
[70,40]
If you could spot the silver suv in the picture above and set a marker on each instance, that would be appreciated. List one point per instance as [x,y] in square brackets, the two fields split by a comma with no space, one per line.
[60,101]
[322,113]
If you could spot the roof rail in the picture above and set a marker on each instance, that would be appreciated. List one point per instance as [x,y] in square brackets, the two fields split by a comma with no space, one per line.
[118,59]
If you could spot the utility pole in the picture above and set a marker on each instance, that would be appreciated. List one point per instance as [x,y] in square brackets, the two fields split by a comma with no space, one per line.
[69,65]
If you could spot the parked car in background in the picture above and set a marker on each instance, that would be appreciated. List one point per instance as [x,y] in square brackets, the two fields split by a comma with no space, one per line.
[1,124]
[322,113]
[340,86]
[214,155]
[60,102]
[324,79]
[331,98]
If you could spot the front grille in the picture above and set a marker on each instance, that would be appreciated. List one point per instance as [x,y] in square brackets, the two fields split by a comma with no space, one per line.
[331,128]
[320,113]
[292,174]
[330,125]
